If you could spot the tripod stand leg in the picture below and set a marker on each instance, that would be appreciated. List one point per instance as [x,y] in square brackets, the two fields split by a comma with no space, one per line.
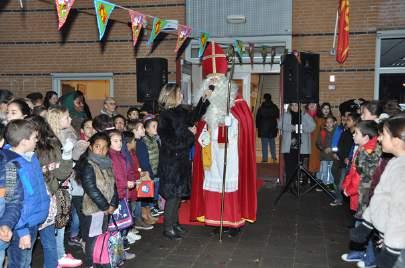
[317,183]
[287,186]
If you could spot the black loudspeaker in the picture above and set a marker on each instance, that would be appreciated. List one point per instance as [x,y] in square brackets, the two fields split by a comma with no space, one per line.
[301,78]
[151,75]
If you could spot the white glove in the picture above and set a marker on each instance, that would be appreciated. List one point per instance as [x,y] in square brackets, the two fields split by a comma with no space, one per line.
[67,150]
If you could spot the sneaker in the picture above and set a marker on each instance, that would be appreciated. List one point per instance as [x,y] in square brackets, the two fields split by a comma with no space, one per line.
[69,261]
[362,264]
[335,203]
[141,225]
[155,212]
[135,231]
[129,255]
[353,256]
[132,238]
[75,241]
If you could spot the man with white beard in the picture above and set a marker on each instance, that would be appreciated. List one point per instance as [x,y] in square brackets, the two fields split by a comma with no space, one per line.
[213,131]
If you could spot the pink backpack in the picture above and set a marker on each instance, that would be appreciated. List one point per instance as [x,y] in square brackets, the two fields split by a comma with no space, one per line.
[100,251]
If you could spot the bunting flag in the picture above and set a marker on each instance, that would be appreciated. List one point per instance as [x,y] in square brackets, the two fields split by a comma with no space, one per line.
[158,25]
[138,21]
[264,54]
[103,12]
[342,49]
[251,52]
[63,7]
[203,43]
[239,47]
[183,32]
[273,54]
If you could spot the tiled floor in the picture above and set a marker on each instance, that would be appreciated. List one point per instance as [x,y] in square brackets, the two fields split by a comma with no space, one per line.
[303,232]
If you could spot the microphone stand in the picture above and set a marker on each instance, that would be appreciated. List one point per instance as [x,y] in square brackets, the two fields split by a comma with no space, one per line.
[231,60]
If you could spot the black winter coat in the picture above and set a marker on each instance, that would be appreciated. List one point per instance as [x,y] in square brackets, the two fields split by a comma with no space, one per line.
[87,177]
[174,156]
[266,120]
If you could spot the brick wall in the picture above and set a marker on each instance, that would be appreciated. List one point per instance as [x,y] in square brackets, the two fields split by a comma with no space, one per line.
[31,47]
[313,27]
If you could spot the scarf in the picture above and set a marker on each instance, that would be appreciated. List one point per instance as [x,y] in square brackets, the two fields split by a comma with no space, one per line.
[103,162]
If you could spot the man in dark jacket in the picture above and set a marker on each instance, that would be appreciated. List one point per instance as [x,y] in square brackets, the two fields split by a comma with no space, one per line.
[266,124]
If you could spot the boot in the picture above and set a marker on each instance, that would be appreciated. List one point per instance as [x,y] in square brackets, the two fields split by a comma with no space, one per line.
[179,229]
[147,218]
[171,234]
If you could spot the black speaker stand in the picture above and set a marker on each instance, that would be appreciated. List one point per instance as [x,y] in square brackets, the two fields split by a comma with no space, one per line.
[296,176]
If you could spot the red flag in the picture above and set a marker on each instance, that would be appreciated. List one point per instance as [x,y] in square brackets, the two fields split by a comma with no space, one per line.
[342,49]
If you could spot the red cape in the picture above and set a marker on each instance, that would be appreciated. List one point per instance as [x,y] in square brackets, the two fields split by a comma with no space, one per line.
[247,166]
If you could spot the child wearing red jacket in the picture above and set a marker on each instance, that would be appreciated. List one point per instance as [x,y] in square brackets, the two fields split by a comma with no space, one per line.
[357,183]
[124,179]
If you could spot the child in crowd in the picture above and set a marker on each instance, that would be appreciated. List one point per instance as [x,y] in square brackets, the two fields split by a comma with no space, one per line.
[386,212]
[342,160]
[94,172]
[129,140]
[56,169]
[11,198]
[133,113]
[119,122]
[60,122]
[324,145]
[357,183]
[152,142]
[76,189]
[21,136]
[124,180]
[17,109]
[143,157]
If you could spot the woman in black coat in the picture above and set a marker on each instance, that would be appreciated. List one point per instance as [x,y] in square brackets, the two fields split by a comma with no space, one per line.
[176,131]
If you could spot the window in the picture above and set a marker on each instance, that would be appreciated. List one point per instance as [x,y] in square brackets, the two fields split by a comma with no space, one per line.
[95,87]
[390,66]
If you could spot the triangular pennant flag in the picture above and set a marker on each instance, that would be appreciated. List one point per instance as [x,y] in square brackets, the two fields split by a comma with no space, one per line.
[203,44]
[251,52]
[103,12]
[183,32]
[239,47]
[63,7]
[137,22]
[158,25]
[264,52]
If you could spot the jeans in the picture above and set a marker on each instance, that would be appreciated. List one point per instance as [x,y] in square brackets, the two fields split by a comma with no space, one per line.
[60,246]
[266,142]
[76,216]
[136,209]
[342,175]
[369,258]
[48,241]
[21,258]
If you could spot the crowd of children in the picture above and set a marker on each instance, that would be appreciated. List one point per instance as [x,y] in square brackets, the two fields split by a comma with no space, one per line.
[362,159]
[56,177]
[61,177]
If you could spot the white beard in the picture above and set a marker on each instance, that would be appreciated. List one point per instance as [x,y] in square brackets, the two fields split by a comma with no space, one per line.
[216,111]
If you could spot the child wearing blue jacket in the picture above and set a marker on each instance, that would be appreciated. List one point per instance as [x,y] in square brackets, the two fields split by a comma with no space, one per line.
[21,136]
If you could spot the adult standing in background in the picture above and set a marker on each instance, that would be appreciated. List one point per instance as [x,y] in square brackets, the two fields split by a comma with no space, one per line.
[110,107]
[51,99]
[266,124]
[290,147]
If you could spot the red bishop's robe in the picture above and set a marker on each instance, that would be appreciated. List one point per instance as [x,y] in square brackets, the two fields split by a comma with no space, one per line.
[239,206]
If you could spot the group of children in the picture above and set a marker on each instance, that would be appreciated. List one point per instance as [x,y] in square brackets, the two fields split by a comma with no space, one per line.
[354,157]
[53,178]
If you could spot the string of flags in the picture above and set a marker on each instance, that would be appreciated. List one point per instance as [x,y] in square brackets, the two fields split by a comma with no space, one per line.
[104,9]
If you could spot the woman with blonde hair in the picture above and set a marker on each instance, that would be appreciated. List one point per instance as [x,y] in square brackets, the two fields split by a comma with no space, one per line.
[176,130]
